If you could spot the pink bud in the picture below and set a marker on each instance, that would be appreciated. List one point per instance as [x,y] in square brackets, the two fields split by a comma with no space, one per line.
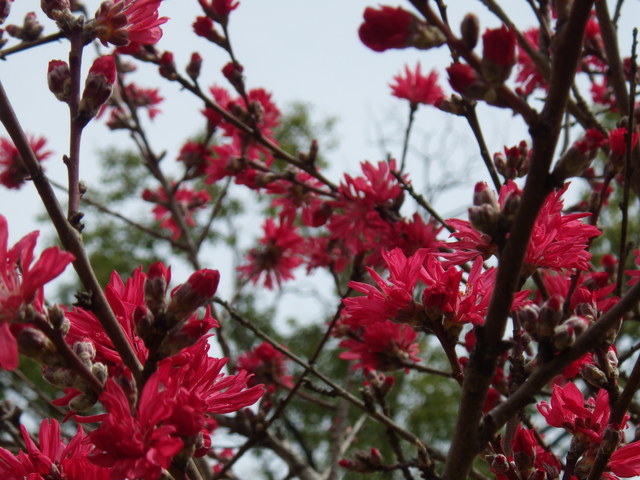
[59,79]
[167,65]
[196,292]
[98,87]
[194,66]
[498,54]
[463,79]
[205,282]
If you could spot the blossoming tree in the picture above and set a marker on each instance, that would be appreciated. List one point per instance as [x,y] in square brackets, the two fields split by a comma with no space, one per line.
[514,310]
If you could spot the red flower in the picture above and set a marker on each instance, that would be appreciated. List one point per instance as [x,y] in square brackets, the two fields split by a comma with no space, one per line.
[618,141]
[392,300]
[133,443]
[195,156]
[625,461]
[147,98]
[498,53]
[382,346]
[464,80]
[557,242]
[219,10]
[387,28]
[280,253]
[568,411]
[363,216]
[52,454]
[195,380]
[13,173]
[267,364]
[21,283]
[129,22]
[418,88]
[189,201]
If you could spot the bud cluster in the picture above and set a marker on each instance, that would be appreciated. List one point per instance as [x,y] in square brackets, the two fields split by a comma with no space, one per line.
[514,163]
[487,216]
[168,327]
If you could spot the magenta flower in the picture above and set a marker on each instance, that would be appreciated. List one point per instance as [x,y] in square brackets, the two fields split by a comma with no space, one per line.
[388,300]
[417,88]
[13,173]
[21,283]
[130,23]
[279,254]
[382,346]
[267,364]
[133,443]
[52,454]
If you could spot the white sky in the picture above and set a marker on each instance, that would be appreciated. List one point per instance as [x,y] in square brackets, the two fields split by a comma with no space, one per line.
[300,50]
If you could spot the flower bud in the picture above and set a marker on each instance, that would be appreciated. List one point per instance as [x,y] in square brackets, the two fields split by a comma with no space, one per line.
[550,315]
[563,337]
[463,79]
[499,463]
[524,451]
[167,67]
[510,208]
[58,320]
[498,54]
[484,218]
[155,287]
[196,292]
[30,31]
[54,8]
[482,194]
[233,73]
[98,87]
[5,9]
[58,376]
[528,317]
[35,344]
[100,371]
[203,27]
[83,402]
[470,30]
[194,66]
[59,79]
[86,351]
[593,375]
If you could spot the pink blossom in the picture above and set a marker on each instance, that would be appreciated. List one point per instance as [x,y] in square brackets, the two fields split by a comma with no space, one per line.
[129,23]
[13,173]
[382,346]
[134,443]
[279,254]
[417,88]
[21,284]
[392,299]
[190,201]
[51,454]
[267,364]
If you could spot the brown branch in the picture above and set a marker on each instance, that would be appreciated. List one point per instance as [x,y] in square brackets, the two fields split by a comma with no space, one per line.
[467,442]
[543,374]
[70,238]
[27,45]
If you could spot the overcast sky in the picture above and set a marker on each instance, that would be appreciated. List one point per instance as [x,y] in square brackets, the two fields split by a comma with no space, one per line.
[300,50]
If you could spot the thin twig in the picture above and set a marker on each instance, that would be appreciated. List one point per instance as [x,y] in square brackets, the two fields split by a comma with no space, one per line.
[27,45]
[472,118]
[407,134]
